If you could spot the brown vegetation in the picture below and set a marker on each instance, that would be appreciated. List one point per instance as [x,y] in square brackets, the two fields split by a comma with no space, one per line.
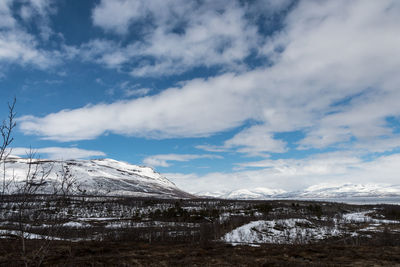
[215,254]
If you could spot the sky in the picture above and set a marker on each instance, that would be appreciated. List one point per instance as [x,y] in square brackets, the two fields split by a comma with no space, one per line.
[216,95]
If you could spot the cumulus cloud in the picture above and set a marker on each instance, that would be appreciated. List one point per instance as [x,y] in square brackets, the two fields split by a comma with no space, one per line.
[38,12]
[200,108]
[162,160]
[105,14]
[177,36]
[17,44]
[332,76]
[7,20]
[60,153]
[253,141]
[20,48]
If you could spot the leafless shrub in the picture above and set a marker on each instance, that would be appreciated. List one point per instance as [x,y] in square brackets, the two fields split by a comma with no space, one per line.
[6,130]
[29,209]
[32,210]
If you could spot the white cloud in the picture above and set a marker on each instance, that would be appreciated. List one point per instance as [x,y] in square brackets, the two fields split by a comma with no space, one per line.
[20,48]
[212,148]
[41,7]
[345,51]
[256,140]
[253,141]
[17,45]
[62,153]
[363,119]
[333,76]
[162,160]
[136,92]
[290,174]
[116,15]
[126,88]
[38,12]
[378,145]
[178,35]
[200,108]
[130,90]
[7,21]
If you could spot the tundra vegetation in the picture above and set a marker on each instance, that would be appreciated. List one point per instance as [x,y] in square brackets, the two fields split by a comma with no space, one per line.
[76,222]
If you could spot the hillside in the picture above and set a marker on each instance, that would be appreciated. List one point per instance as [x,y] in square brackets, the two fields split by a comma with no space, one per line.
[95,177]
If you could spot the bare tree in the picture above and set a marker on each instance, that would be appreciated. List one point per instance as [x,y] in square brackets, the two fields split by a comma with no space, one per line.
[25,191]
[41,204]
[65,183]
[35,198]
[6,130]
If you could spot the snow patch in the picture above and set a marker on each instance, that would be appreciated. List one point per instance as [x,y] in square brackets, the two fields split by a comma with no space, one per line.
[285,231]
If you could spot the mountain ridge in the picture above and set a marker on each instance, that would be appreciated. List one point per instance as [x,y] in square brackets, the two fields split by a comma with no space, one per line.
[109,177]
[321,191]
[106,177]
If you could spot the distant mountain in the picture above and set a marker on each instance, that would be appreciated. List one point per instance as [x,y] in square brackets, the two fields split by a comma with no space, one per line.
[348,191]
[97,177]
[257,193]
[313,192]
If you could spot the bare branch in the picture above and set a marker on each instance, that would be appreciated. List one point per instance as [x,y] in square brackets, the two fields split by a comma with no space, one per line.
[6,130]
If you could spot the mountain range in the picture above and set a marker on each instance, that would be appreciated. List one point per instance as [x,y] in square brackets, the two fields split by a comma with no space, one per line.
[322,191]
[117,178]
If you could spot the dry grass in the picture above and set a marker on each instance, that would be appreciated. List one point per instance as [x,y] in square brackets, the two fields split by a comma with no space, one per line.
[213,254]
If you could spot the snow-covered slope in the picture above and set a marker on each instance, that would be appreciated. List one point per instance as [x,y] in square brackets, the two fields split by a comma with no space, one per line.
[99,177]
[303,231]
[257,193]
[284,231]
[314,192]
[349,190]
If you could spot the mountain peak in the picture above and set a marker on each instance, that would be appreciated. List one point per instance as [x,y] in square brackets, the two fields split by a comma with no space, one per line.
[99,177]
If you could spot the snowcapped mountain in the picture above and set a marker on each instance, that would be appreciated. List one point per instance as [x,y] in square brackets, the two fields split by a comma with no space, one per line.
[322,191]
[117,178]
[349,191]
[257,193]
[96,177]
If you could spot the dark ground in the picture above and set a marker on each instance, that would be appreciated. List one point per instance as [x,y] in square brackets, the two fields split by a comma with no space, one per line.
[213,254]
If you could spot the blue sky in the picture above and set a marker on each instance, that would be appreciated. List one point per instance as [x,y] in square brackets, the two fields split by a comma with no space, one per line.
[216,95]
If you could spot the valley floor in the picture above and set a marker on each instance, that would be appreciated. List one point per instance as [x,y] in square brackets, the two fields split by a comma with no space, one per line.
[215,254]
[43,230]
